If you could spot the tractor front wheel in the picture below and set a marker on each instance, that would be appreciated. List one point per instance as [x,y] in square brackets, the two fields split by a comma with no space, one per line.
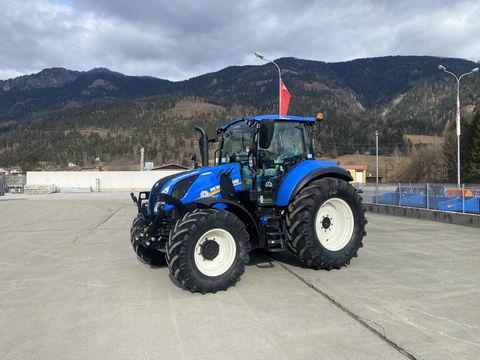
[208,250]
[326,223]
[146,255]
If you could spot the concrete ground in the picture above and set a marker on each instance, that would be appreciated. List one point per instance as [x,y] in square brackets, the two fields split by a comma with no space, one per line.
[72,288]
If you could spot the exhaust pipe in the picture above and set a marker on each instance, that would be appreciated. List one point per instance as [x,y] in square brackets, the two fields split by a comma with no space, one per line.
[203,142]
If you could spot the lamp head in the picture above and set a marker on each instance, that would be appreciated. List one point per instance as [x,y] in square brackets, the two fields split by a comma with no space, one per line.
[475,70]
[258,55]
[441,67]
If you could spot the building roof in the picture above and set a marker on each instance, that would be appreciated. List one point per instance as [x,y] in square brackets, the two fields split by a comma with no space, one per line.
[2,170]
[171,166]
[266,117]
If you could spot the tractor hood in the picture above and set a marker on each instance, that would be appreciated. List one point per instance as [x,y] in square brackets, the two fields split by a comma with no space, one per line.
[190,185]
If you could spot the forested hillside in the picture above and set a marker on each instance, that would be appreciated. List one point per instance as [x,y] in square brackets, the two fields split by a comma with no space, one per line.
[60,116]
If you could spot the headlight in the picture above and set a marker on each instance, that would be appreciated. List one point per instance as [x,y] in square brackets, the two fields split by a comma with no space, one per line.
[181,188]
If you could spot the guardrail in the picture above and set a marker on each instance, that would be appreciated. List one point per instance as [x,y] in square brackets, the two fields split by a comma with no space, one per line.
[442,197]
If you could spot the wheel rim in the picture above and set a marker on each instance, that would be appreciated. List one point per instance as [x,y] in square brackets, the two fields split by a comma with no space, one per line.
[334,224]
[223,257]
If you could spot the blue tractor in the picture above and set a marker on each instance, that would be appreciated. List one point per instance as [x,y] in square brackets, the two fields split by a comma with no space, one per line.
[265,191]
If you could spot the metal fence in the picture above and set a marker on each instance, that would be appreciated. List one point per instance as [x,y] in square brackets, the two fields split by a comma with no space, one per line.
[444,197]
[15,183]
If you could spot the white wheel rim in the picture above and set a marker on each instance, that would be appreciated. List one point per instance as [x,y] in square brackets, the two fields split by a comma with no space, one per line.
[334,224]
[227,250]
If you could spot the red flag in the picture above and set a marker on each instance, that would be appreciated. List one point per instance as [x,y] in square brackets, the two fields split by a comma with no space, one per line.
[285,99]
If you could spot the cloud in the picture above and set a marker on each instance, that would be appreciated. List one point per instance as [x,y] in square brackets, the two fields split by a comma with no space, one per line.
[184,38]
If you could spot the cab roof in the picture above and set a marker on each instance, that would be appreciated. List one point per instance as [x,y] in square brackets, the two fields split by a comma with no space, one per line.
[266,117]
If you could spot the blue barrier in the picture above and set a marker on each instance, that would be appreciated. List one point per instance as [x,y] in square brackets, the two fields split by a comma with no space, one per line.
[387,199]
[414,200]
[471,205]
[435,201]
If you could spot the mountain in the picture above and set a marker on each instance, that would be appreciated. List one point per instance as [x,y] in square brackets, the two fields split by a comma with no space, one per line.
[54,89]
[60,115]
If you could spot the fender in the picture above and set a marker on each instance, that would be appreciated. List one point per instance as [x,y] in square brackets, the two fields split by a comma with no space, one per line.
[239,210]
[305,172]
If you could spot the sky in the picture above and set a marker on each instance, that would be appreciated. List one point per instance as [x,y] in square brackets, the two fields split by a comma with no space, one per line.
[179,39]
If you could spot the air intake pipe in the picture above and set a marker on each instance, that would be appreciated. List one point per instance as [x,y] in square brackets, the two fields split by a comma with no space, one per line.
[203,142]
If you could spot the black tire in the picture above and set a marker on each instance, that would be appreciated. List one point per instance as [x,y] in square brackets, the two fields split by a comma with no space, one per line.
[146,255]
[301,223]
[183,241]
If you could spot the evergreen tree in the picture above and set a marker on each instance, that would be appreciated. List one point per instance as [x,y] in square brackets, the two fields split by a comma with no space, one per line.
[450,152]
[473,166]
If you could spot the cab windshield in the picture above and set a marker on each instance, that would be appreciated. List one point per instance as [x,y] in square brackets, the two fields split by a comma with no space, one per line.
[237,142]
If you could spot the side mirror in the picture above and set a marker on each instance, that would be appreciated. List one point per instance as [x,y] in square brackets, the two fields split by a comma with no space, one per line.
[265,133]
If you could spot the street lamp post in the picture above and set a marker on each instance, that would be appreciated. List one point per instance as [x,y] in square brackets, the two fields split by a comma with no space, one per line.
[261,57]
[444,69]
[376,148]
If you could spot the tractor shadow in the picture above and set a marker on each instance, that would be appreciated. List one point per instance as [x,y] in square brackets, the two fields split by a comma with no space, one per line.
[260,258]
[264,259]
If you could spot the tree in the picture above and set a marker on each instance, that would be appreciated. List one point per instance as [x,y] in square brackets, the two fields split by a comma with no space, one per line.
[473,165]
[449,152]
[30,162]
[424,165]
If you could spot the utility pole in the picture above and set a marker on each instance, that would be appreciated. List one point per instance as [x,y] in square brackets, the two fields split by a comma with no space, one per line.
[142,159]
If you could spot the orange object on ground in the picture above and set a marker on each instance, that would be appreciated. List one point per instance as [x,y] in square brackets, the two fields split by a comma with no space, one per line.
[458,192]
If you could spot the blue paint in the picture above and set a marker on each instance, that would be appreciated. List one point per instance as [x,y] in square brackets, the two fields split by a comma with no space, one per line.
[296,175]
[206,185]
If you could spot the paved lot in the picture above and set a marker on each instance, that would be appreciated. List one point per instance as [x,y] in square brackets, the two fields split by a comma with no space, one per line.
[71,288]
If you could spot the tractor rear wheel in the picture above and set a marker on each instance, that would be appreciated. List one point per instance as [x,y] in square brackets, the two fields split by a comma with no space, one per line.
[326,223]
[148,256]
[208,250]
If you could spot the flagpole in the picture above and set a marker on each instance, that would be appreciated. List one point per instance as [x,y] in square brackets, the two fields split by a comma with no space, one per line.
[261,57]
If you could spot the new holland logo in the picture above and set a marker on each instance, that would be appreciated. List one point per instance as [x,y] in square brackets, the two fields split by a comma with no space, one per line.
[204,193]
[268,184]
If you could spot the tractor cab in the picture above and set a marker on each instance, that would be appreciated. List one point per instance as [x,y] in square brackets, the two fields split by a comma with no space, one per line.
[267,148]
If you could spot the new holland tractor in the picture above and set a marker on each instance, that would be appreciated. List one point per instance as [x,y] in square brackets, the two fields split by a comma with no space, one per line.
[265,191]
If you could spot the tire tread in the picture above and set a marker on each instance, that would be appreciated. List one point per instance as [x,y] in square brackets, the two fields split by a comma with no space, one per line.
[302,240]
